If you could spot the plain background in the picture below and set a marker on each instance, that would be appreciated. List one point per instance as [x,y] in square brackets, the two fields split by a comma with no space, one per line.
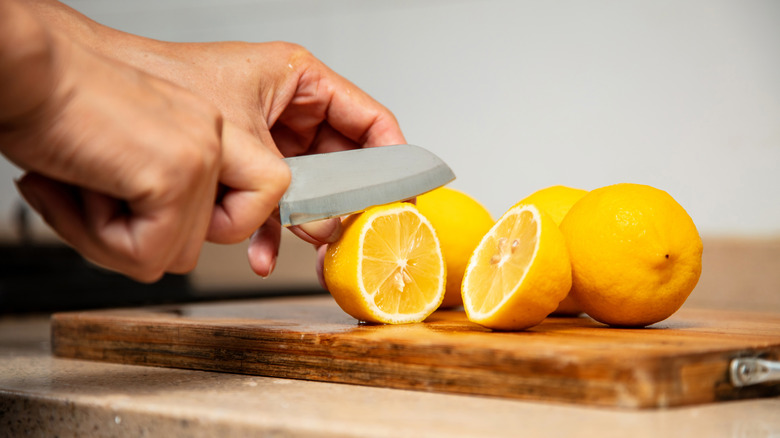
[520,95]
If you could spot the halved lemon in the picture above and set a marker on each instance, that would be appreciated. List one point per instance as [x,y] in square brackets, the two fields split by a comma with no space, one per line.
[387,267]
[519,272]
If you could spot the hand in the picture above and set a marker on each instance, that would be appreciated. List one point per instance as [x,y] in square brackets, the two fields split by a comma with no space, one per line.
[286,97]
[279,92]
[125,166]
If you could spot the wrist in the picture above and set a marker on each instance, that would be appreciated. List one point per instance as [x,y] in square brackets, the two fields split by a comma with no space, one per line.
[27,64]
[36,83]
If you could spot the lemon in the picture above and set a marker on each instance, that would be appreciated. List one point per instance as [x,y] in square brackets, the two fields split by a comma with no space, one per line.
[557,201]
[460,222]
[635,252]
[387,266]
[518,273]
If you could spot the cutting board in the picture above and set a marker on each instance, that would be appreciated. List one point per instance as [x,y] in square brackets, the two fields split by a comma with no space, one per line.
[681,361]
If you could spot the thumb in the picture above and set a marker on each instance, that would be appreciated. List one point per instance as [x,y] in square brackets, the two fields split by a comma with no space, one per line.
[254,179]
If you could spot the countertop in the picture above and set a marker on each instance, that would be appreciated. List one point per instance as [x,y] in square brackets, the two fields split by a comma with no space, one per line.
[41,395]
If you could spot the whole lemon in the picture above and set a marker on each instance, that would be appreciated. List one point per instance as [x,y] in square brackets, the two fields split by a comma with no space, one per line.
[556,201]
[460,222]
[635,253]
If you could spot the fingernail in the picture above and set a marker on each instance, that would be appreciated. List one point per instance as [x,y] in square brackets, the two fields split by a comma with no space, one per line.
[271,267]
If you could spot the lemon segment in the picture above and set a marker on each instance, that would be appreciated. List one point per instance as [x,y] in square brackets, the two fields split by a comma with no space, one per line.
[518,273]
[387,267]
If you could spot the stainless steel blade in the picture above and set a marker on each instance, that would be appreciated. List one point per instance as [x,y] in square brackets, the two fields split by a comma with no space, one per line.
[338,183]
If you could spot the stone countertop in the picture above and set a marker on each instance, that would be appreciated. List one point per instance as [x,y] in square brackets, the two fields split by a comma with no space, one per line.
[41,395]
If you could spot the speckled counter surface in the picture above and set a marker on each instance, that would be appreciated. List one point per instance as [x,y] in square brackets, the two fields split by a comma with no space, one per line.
[41,395]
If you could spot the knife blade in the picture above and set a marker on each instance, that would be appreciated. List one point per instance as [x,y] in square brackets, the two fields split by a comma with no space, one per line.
[339,183]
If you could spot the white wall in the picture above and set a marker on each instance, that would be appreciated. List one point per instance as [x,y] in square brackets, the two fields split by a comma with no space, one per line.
[519,95]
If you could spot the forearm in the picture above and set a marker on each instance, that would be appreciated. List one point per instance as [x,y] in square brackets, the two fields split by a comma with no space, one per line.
[144,53]
[246,81]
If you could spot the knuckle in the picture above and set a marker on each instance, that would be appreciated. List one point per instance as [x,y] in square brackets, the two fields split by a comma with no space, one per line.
[193,159]
[185,263]
[275,181]
[290,47]
[131,263]
[148,276]
[295,53]
[146,265]
[196,160]
[207,155]
[283,177]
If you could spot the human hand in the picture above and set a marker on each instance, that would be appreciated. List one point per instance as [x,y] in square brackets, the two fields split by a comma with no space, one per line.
[286,97]
[125,166]
[277,91]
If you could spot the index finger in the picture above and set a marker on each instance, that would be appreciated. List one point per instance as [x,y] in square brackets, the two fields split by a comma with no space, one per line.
[323,99]
[359,117]
[255,178]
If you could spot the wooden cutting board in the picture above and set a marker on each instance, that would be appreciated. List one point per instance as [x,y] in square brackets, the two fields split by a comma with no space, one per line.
[683,360]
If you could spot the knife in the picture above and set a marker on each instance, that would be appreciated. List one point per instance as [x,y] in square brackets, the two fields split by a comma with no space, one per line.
[339,183]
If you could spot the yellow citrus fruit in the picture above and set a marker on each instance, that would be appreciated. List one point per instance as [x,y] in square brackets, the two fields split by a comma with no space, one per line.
[557,201]
[635,252]
[460,222]
[387,266]
[518,273]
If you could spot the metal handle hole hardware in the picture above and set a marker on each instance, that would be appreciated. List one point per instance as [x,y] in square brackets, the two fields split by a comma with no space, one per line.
[746,371]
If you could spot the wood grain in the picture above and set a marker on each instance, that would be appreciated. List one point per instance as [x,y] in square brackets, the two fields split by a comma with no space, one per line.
[683,360]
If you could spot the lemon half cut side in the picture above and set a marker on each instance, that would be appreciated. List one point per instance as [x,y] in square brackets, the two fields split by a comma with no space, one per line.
[387,267]
[519,272]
